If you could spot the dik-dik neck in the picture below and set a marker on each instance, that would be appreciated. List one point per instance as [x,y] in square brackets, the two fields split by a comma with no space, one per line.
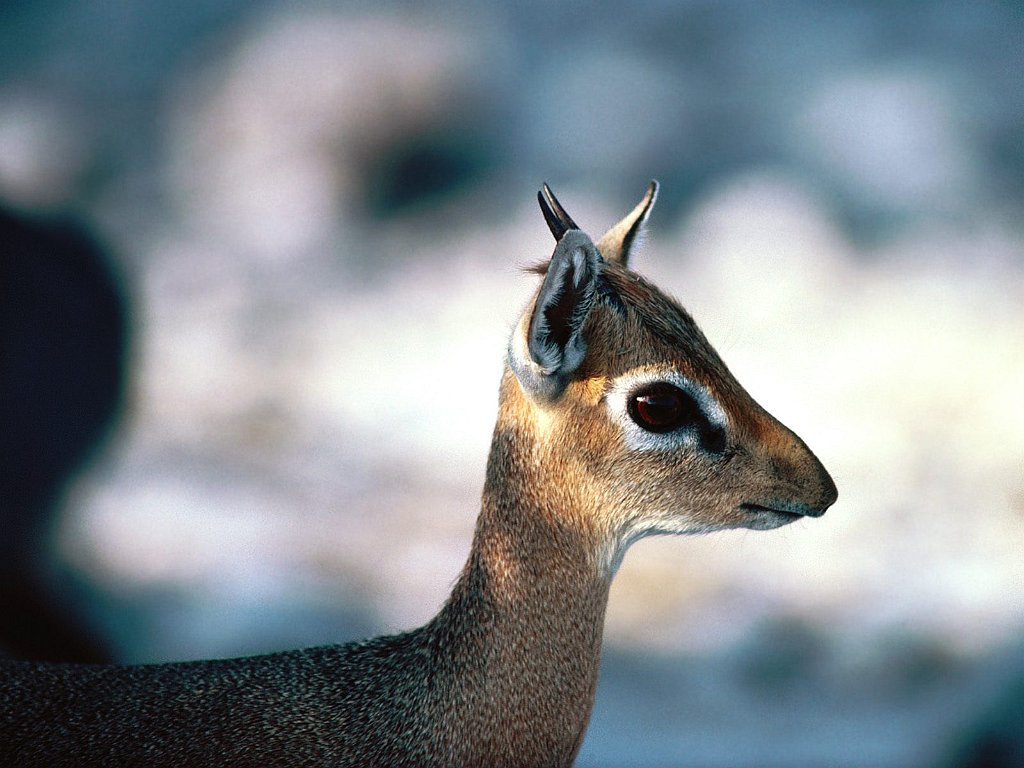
[523,626]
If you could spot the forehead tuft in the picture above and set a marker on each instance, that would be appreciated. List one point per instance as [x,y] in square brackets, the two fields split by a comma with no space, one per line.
[660,314]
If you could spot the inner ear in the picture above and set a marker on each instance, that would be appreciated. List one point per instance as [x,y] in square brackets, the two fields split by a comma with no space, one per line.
[554,337]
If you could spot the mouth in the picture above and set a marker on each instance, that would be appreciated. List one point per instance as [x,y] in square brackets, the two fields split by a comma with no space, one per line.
[764,518]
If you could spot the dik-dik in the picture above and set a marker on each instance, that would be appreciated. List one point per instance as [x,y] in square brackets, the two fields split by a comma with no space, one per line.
[616,420]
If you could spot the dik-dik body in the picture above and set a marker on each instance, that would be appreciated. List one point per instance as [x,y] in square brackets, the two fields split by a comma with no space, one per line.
[616,420]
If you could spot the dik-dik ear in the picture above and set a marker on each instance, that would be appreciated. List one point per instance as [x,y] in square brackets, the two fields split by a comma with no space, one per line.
[548,345]
[620,239]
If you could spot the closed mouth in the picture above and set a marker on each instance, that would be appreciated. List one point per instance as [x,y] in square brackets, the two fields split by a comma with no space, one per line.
[764,518]
[760,509]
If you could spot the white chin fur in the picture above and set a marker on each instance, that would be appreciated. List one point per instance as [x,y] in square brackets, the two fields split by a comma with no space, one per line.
[612,557]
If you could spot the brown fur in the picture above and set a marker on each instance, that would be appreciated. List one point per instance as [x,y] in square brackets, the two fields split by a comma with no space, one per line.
[505,674]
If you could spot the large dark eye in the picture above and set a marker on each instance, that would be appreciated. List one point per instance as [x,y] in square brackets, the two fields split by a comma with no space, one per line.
[662,407]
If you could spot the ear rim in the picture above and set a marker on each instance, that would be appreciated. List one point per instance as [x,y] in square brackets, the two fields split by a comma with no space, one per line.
[544,358]
[617,243]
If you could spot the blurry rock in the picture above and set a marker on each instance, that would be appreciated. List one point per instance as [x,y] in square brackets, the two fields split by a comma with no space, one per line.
[282,146]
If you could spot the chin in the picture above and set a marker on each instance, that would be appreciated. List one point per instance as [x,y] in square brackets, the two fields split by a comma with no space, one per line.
[767,519]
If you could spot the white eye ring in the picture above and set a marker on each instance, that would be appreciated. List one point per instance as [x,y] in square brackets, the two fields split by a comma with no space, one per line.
[637,438]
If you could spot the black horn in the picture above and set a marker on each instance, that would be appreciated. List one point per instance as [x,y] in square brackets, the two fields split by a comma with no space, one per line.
[559,222]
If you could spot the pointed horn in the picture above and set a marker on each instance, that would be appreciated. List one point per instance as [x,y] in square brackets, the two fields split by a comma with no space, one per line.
[559,222]
[620,239]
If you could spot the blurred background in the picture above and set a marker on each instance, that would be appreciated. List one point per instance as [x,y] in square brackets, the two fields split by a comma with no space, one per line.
[258,265]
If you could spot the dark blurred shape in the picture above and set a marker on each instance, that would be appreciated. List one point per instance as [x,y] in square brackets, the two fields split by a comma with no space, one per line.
[422,169]
[996,738]
[63,339]
[783,652]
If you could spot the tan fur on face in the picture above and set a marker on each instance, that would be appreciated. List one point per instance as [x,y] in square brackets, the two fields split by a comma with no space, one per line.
[638,329]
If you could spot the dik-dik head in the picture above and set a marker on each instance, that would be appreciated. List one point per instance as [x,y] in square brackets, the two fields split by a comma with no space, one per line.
[635,413]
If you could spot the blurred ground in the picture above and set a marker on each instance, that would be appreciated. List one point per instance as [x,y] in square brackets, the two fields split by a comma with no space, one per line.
[323,209]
